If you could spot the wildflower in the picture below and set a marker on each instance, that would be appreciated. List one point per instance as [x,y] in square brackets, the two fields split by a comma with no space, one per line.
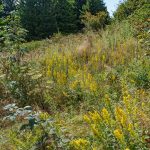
[86,118]
[107,99]
[130,129]
[61,78]
[94,130]
[143,105]
[106,115]
[119,135]
[95,116]
[93,86]
[74,84]
[132,81]
[65,94]
[44,116]
[126,100]
[80,144]
[121,116]
[127,149]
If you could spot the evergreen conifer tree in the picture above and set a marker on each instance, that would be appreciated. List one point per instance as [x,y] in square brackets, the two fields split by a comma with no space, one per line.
[65,16]
[38,17]
[78,11]
[96,6]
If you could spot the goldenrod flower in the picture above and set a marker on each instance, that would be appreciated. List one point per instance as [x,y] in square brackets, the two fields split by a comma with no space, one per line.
[107,99]
[131,129]
[95,116]
[121,116]
[93,86]
[118,134]
[86,118]
[106,115]
[44,116]
[80,144]
[126,100]
[94,130]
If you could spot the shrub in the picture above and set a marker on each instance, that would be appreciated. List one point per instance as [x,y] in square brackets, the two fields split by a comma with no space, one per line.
[94,22]
[38,130]
[140,22]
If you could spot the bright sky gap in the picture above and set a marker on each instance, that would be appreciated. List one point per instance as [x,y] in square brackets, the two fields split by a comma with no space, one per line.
[111,5]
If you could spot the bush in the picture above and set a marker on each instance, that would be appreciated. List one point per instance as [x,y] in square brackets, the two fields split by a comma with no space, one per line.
[140,22]
[94,22]
[37,131]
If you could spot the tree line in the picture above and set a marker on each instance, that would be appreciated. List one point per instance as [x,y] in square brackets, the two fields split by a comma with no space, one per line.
[43,18]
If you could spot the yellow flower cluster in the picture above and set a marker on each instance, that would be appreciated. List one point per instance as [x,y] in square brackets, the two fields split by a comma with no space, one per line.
[87,119]
[131,129]
[127,101]
[121,116]
[95,116]
[119,135]
[61,78]
[119,122]
[106,115]
[44,116]
[79,144]
[88,82]
[93,120]
[107,100]
[95,130]
[85,80]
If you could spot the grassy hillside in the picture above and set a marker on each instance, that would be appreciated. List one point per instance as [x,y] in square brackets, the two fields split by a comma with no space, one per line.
[101,104]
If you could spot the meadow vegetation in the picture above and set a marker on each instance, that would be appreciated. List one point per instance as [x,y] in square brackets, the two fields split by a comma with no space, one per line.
[52,98]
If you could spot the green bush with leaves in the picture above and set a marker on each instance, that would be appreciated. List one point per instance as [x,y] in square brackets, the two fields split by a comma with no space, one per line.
[37,130]
[94,22]
[127,8]
[12,33]
[141,24]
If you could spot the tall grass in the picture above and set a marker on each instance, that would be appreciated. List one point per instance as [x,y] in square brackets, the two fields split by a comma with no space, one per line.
[114,82]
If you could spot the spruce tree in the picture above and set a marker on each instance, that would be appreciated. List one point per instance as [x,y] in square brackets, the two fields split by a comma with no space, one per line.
[65,16]
[38,17]
[78,7]
[96,6]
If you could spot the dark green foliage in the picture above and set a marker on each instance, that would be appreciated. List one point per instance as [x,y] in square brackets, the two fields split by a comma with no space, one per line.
[9,5]
[96,6]
[43,18]
[78,4]
[12,34]
[65,16]
[38,18]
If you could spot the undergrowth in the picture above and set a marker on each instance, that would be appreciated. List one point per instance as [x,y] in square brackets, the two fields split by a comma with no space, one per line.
[102,104]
